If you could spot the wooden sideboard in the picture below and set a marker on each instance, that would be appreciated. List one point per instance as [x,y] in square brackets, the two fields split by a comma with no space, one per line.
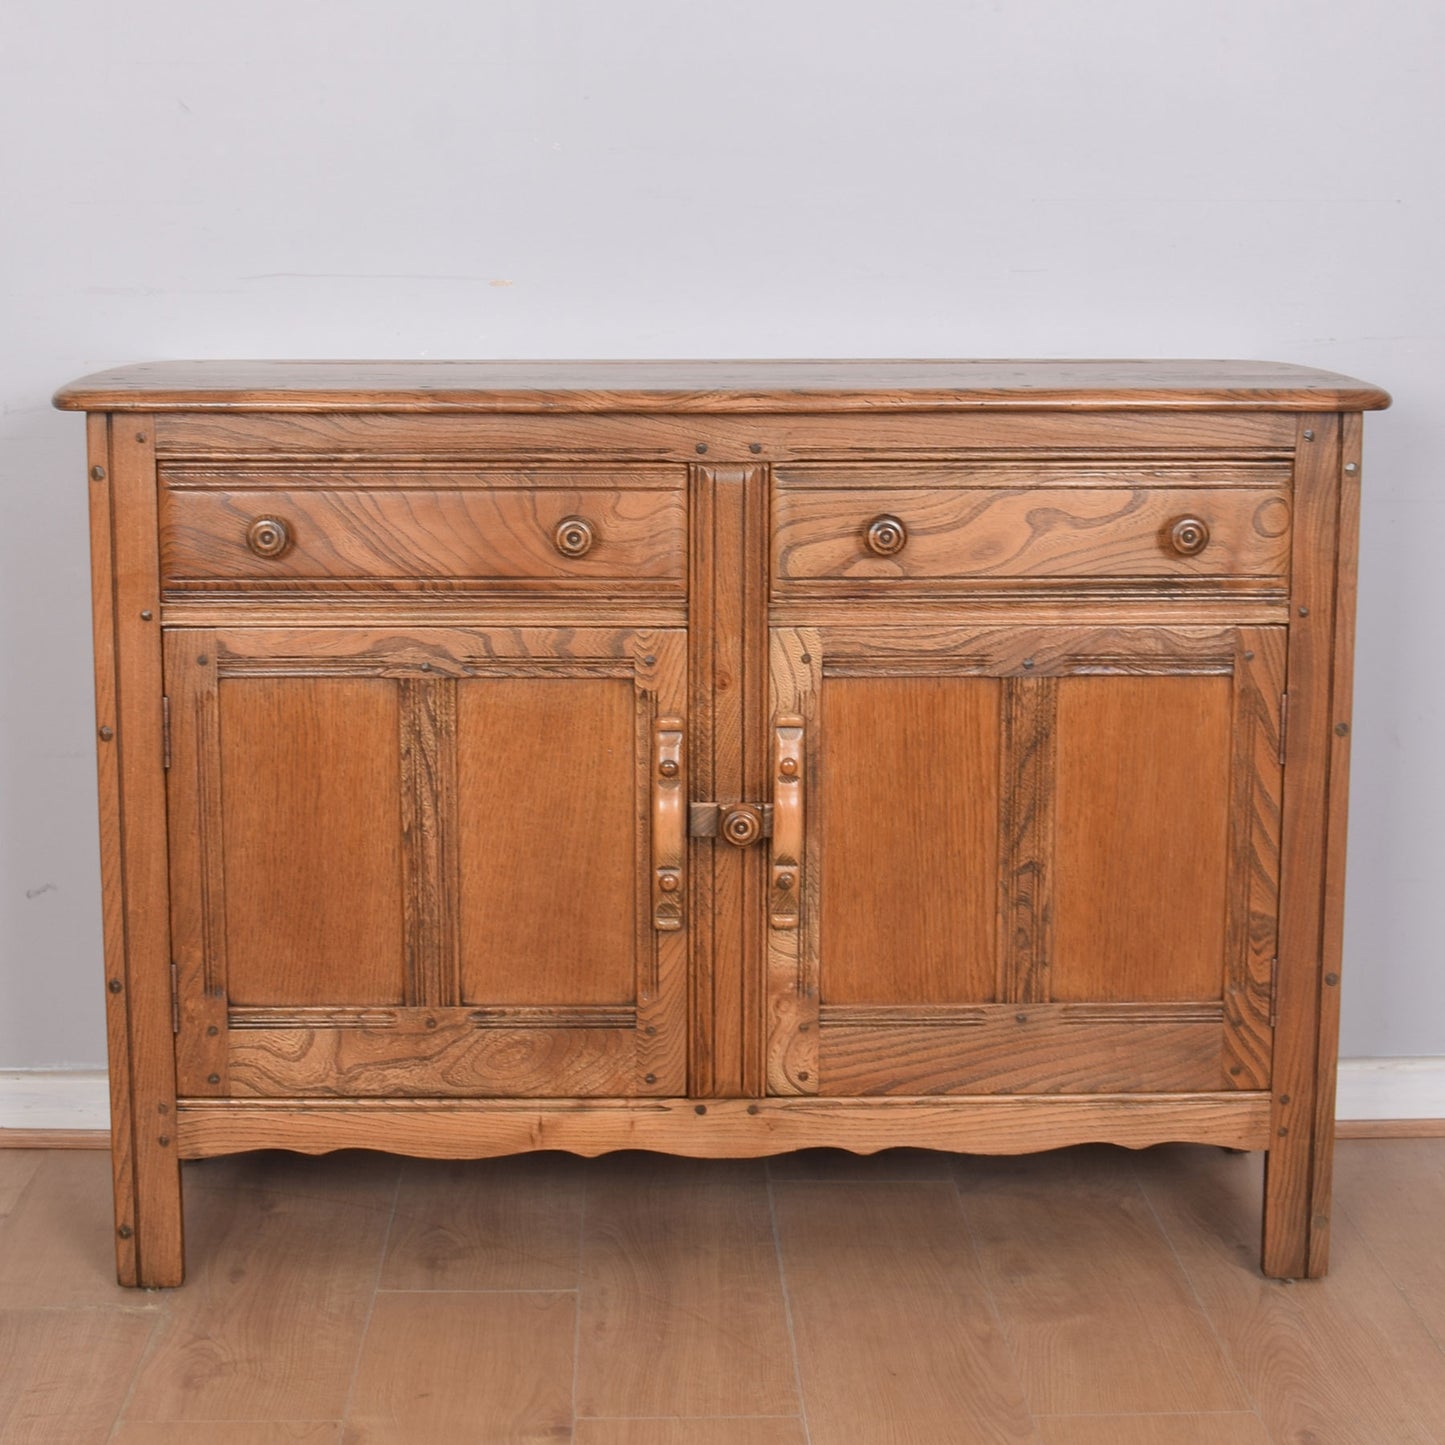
[722,758]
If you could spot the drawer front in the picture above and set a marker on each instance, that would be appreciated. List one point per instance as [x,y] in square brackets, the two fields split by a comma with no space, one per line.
[1001,533]
[455,537]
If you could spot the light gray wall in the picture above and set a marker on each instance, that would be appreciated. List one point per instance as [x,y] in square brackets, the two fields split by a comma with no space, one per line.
[1253,178]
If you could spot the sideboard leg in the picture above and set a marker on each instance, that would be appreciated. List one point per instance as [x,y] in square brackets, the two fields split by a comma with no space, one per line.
[1296,1241]
[149,1242]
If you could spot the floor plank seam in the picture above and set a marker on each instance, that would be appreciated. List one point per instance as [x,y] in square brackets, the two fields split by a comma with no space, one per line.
[371,1304]
[140,1364]
[802,1415]
[1225,1353]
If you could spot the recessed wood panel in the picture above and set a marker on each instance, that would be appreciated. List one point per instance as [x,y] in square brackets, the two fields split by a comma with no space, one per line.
[1141,850]
[547,788]
[311,828]
[908,778]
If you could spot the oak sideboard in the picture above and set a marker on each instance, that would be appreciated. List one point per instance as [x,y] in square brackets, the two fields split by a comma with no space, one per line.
[721,758]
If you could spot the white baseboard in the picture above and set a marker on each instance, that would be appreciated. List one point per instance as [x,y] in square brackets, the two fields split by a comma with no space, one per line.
[1368,1089]
[54,1099]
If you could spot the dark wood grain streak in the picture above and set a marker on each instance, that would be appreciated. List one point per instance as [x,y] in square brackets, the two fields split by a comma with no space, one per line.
[1026,838]
[431,876]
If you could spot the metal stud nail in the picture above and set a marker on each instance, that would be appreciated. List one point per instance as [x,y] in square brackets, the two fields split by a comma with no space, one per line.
[106,734]
[146,615]
[115,985]
[97,474]
[701,447]
[213,1078]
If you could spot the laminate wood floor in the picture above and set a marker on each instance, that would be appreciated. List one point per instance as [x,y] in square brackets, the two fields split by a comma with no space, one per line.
[1085,1297]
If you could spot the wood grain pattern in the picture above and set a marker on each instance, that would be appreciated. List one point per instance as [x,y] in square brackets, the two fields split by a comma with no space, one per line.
[721,1128]
[1332,925]
[1210,1428]
[504,1224]
[270,1325]
[1251,932]
[733,1430]
[435,1364]
[1035,532]
[148,1180]
[228,436]
[713,386]
[43,1397]
[548,781]
[430,814]
[1141,822]
[1020,1049]
[441,1052]
[416,539]
[907,794]
[1027,777]
[682,1308]
[1120,1328]
[1303,1353]
[311,836]
[896,1338]
[1293,1213]
[112,867]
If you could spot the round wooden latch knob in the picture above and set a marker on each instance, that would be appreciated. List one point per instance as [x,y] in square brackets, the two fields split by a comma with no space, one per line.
[574,537]
[741,825]
[268,536]
[886,536]
[1189,536]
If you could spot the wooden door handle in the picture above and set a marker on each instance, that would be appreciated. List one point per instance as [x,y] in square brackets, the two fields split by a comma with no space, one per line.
[669,824]
[786,891]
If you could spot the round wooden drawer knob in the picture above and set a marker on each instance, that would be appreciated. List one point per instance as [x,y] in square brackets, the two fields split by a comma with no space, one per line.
[268,536]
[574,537]
[1189,536]
[886,536]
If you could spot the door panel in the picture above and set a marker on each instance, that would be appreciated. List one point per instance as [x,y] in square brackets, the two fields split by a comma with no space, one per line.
[313,886]
[419,861]
[547,786]
[1141,849]
[908,825]
[1111,918]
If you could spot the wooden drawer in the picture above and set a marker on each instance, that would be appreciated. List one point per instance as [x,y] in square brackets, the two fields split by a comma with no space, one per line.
[1019,524]
[428,530]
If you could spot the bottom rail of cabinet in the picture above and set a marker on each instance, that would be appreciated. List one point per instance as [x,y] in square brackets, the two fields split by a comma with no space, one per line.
[719,1128]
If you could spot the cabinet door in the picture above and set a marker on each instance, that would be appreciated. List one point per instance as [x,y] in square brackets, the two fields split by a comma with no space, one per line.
[1015,860]
[428,862]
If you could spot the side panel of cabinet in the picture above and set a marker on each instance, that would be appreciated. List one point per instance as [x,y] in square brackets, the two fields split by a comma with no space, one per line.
[1035,860]
[428,862]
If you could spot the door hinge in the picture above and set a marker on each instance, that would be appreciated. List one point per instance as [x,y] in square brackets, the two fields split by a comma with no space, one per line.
[175,998]
[1283,723]
[165,731]
[1273,992]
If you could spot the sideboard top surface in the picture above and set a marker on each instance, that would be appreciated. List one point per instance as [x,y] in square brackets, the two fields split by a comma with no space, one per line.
[717,386]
